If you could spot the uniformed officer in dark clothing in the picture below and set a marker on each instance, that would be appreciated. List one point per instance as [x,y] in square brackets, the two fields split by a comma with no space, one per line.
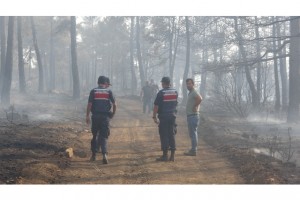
[100,102]
[165,106]
[107,84]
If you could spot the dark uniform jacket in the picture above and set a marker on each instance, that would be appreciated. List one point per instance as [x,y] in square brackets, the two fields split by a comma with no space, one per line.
[166,100]
[102,100]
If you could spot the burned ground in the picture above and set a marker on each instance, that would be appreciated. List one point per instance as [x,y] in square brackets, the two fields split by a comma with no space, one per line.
[32,151]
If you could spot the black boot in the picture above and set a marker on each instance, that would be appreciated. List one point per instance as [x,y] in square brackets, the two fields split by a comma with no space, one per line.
[164,157]
[172,157]
[93,157]
[105,161]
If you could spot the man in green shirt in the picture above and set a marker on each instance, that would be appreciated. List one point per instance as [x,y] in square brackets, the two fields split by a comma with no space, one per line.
[192,112]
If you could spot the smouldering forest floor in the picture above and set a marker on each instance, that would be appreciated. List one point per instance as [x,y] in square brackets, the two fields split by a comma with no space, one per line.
[32,148]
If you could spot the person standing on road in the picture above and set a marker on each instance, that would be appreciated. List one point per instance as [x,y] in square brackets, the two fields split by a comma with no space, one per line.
[165,106]
[192,112]
[100,102]
[146,95]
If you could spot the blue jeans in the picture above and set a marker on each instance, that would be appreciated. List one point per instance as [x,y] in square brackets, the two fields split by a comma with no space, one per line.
[193,122]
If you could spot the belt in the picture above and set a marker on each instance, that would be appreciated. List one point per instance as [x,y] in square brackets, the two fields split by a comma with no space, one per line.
[100,113]
[192,115]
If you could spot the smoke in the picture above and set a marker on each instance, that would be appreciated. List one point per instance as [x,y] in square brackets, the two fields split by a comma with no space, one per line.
[43,117]
[265,119]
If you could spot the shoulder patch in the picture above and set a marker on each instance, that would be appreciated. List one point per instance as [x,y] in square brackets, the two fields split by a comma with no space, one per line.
[169,95]
[101,94]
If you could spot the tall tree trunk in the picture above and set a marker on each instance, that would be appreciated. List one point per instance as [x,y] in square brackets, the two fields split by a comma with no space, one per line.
[171,37]
[71,70]
[217,74]
[265,78]
[176,41]
[258,51]
[3,49]
[239,81]
[38,57]
[124,75]
[5,93]
[139,54]
[294,93]
[46,70]
[111,64]
[132,67]
[177,82]
[76,84]
[242,50]
[203,74]
[22,83]
[283,73]
[187,60]
[285,66]
[52,57]
[276,75]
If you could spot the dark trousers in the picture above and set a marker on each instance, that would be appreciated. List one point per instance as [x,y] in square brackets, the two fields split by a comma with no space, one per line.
[167,132]
[100,130]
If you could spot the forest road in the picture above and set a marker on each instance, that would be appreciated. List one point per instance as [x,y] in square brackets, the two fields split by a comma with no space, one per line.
[133,147]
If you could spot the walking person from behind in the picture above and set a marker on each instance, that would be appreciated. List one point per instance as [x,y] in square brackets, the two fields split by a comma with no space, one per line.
[192,111]
[100,102]
[107,84]
[165,106]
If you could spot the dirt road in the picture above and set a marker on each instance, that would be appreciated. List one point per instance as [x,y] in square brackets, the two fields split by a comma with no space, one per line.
[33,152]
[133,148]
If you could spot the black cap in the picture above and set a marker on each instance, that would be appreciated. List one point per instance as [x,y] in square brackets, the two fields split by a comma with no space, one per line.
[165,80]
[102,80]
[107,81]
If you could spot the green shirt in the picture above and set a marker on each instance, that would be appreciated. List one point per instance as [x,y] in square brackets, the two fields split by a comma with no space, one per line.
[191,102]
